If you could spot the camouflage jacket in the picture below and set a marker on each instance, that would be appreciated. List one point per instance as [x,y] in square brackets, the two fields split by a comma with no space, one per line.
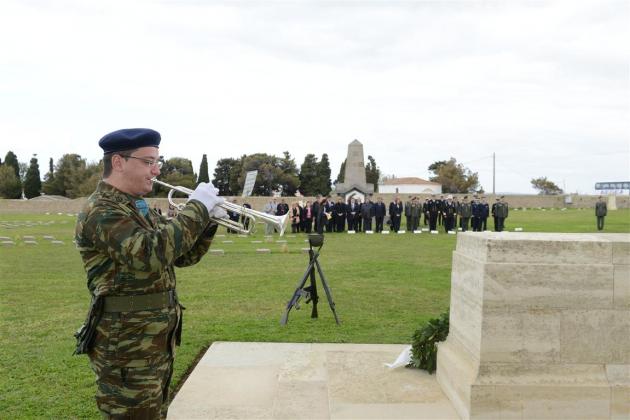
[126,253]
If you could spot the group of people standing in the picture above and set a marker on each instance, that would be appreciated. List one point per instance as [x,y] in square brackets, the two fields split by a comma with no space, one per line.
[327,215]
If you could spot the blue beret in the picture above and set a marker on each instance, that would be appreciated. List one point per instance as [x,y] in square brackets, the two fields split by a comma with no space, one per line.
[129,138]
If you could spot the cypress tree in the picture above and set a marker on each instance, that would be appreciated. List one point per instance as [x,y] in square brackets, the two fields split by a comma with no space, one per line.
[372,173]
[308,175]
[323,175]
[203,170]
[342,173]
[11,160]
[32,182]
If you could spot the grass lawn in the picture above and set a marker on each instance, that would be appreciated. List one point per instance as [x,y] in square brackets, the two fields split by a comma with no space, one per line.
[384,288]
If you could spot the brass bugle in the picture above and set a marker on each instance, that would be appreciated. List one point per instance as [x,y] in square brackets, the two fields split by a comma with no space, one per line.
[278,222]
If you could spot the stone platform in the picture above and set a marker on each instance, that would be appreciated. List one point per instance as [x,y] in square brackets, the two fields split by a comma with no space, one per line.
[307,381]
[539,326]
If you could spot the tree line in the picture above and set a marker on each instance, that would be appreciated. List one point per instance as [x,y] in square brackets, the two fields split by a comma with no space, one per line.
[73,176]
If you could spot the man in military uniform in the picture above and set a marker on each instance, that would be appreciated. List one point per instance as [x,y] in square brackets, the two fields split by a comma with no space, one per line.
[433,208]
[485,212]
[440,205]
[493,212]
[500,211]
[465,212]
[408,212]
[449,210]
[475,207]
[416,209]
[129,253]
[600,212]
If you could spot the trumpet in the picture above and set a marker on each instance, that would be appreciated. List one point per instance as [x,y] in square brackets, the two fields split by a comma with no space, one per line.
[278,222]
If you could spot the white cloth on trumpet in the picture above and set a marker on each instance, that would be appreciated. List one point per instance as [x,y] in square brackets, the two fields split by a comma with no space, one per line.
[208,195]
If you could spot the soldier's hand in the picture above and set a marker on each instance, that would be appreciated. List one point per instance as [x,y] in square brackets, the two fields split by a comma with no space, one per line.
[208,195]
[218,213]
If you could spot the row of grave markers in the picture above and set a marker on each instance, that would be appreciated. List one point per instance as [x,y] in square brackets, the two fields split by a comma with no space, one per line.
[269,239]
[30,240]
[14,225]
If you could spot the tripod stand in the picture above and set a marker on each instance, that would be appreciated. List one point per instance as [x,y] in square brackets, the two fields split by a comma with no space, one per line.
[310,293]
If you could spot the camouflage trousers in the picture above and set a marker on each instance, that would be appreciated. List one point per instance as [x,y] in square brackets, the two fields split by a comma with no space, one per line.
[133,392]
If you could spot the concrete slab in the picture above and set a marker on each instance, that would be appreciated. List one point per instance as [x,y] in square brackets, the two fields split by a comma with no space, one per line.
[307,381]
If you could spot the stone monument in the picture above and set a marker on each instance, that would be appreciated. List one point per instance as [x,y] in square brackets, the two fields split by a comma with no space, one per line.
[539,326]
[354,183]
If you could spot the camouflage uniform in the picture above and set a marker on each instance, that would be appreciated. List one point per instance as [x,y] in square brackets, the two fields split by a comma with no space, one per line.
[125,254]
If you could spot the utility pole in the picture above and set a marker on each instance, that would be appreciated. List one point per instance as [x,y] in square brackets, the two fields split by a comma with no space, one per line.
[493,172]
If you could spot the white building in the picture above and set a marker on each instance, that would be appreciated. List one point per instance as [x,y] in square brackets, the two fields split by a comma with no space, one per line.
[409,185]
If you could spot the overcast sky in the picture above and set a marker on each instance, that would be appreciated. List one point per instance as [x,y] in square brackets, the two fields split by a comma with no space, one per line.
[543,84]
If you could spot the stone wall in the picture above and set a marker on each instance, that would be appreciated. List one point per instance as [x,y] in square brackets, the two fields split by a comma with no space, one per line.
[529,201]
[539,326]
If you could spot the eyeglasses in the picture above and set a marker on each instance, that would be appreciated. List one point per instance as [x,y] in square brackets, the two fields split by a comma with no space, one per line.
[150,162]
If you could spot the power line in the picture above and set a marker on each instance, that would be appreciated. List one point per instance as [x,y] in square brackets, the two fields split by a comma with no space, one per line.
[477,160]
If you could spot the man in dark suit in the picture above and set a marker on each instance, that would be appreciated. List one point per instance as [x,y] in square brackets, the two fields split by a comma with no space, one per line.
[379,214]
[315,212]
[233,216]
[244,219]
[340,215]
[601,210]
[321,215]
[283,208]
[352,208]
[395,213]
[357,217]
[367,212]
[425,210]
[329,208]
